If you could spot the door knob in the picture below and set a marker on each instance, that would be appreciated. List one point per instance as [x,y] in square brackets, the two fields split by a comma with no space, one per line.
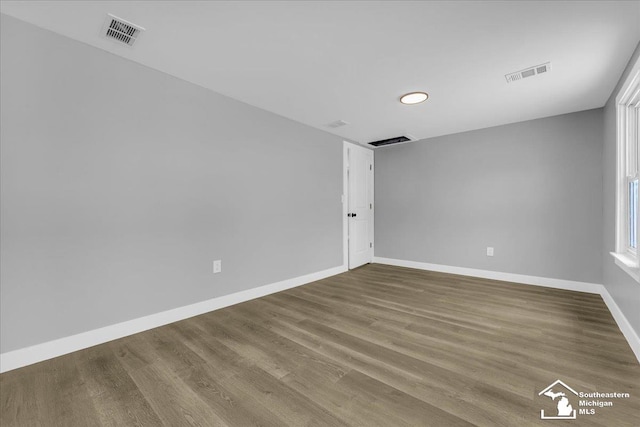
[351,215]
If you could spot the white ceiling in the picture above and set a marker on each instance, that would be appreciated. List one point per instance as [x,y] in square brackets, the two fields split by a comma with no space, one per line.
[317,62]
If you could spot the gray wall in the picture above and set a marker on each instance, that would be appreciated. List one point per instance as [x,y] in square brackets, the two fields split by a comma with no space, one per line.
[120,185]
[532,190]
[624,290]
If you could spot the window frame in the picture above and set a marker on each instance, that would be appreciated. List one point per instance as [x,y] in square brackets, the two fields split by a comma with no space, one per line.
[627,170]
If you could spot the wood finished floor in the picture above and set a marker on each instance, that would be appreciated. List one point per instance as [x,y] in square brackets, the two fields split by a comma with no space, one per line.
[377,346]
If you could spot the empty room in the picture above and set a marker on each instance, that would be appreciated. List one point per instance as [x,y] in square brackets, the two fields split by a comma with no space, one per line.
[319,213]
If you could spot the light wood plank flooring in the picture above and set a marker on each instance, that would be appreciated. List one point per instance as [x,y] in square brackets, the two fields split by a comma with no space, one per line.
[377,346]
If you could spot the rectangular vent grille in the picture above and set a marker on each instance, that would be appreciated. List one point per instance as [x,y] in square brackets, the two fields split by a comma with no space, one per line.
[390,141]
[528,72]
[121,31]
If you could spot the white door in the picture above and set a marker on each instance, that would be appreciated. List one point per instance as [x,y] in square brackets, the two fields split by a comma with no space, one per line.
[359,205]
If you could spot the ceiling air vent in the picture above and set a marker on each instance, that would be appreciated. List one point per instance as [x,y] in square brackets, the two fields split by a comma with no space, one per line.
[528,72]
[390,141]
[120,30]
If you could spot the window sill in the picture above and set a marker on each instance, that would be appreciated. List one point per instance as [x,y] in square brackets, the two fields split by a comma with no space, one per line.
[627,264]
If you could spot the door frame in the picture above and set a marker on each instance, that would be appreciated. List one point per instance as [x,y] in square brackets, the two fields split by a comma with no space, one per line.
[345,203]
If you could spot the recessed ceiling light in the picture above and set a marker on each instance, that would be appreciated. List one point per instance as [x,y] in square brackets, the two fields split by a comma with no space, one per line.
[414,98]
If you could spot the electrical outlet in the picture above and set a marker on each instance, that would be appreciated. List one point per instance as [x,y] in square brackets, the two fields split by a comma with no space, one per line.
[217,266]
[489,251]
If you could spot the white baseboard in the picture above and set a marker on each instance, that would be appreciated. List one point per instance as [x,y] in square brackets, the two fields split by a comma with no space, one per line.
[569,285]
[624,325]
[594,288]
[48,350]
[40,352]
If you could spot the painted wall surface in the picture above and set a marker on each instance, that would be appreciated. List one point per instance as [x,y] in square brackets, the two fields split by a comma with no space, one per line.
[531,190]
[120,185]
[623,289]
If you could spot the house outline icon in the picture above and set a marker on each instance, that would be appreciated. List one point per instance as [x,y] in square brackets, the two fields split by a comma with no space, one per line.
[548,417]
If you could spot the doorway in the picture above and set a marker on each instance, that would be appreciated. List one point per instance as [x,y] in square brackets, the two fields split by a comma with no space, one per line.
[357,205]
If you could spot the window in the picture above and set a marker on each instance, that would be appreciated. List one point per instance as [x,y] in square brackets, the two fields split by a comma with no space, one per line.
[627,255]
[633,215]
